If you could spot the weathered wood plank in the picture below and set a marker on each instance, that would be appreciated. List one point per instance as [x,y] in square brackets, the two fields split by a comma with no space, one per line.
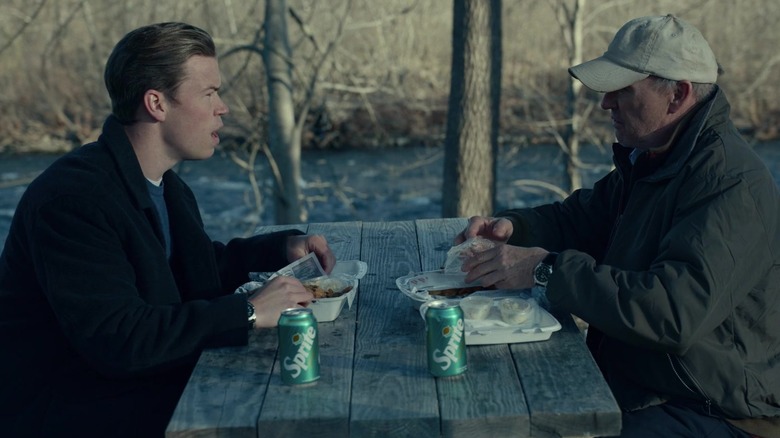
[488,400]
[435,239]
[566,393]
[392,393]
[321,409]
[389,392]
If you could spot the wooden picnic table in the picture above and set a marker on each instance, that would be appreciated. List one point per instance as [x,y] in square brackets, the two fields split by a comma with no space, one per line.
[374,379]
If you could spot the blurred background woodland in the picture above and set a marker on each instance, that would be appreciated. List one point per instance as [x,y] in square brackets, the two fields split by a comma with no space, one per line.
[365,130]
[373,73]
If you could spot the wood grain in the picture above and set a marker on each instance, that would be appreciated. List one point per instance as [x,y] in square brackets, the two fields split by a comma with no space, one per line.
[320,409]
[566,392]
[488,400]
[393,394]
[374,377]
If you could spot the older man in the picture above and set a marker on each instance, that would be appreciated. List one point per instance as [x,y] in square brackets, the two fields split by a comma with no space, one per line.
[673,258]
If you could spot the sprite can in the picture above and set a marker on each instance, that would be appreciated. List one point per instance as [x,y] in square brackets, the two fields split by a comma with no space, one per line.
[446,340]
[299,353]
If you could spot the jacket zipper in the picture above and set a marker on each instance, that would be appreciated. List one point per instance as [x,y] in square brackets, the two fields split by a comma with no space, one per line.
[698,390]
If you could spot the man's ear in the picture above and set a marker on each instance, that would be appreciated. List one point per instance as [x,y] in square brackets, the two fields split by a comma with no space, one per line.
[155,105]
[683,97]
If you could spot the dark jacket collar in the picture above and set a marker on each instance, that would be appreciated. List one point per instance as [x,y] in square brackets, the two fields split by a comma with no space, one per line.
[115,140]
[710,112]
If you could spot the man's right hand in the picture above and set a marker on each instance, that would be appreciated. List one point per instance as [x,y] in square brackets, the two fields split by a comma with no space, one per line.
[498,229]
[277,295]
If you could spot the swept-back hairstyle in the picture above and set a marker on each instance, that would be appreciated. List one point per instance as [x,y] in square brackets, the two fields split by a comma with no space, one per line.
[151,57]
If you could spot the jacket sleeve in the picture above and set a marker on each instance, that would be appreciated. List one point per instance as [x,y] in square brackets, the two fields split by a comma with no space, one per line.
[89,276]
[261,253]
[582,221]
[715,250]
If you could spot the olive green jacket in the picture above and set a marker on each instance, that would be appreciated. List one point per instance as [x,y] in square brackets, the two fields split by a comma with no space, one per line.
[675,263]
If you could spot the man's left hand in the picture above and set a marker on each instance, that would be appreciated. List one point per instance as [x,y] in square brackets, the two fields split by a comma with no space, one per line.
[300,246]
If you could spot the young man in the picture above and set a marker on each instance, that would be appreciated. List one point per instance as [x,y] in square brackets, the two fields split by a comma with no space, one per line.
[109,286]
[673,257]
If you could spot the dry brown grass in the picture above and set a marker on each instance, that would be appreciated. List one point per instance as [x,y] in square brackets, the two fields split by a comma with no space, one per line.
[387,83]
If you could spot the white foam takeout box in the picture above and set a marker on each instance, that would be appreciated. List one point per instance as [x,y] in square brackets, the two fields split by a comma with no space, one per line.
[540,325]
[349,271]
[308,270]
[422,286]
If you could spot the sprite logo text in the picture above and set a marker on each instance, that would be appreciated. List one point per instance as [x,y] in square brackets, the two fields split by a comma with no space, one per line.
[446,357]
[298,363]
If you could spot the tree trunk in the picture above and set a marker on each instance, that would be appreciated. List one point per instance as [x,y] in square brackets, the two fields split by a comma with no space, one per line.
[571,135]
[471,143]
[283,140]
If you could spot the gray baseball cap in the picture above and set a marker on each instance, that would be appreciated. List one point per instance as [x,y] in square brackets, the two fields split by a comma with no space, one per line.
[663,46]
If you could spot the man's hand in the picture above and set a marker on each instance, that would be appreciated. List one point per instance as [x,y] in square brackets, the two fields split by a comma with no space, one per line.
[505,266]
[277,295]
[300,246]
[498,229]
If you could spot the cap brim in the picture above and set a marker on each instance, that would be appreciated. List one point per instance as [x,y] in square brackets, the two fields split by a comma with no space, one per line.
[604,76]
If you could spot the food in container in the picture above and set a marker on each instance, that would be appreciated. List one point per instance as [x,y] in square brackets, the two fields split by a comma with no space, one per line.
[430,285]
[456,291]
[320,291]
[330,293]
[535,325]
[515,310]
[476,306]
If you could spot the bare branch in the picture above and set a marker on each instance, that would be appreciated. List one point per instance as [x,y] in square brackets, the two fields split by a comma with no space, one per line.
[522,183]
[26,22]
[310,90]
[762,76]
[304,28]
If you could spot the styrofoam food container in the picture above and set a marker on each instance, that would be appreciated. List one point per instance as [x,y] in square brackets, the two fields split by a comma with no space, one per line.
[422,286]
[344,274]
[538,325]
[328,309]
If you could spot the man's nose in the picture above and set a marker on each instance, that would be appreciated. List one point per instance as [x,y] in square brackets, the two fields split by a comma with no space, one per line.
[222,108]
[608,100]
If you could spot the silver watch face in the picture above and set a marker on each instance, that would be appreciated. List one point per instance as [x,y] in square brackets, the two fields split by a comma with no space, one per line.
[542,274]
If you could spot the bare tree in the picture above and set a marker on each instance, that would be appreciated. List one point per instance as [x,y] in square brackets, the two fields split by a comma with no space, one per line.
[284,130]
[471,143]
[570,22]
[571,18]
[284,140]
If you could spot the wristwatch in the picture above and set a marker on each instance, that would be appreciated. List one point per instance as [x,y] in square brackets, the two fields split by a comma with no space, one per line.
[544,269]
[251,315]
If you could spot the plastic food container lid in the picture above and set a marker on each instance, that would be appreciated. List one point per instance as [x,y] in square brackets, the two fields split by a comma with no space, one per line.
[476,306]
[514,310]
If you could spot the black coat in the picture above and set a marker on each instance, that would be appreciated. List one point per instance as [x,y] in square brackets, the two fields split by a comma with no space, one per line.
[99,330]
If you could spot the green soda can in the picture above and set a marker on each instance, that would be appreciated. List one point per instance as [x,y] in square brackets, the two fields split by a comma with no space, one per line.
[446,340]
[299,350]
